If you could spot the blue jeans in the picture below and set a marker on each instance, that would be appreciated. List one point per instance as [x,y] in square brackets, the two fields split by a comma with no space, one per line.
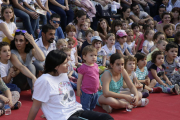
[88,101]
[28,22]
[43,18]
[66,16]
[74,85]
[164,89]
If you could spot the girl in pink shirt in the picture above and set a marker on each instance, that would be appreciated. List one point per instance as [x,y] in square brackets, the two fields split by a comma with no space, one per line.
[88,79]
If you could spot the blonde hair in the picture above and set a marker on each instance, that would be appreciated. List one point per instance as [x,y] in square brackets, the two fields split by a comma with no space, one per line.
[60,42]
[109,35]
[65,49]
[129,30]
[88,49]
[129,58]
[70,39]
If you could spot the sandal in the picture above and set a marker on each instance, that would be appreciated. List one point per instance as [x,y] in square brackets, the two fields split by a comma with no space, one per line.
[144,102]
[16,105]
[2,111]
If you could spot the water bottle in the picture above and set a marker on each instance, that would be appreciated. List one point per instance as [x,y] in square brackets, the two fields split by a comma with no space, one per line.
[129,109]
[7,109]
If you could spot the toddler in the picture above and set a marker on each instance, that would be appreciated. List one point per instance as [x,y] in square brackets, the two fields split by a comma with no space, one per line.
[84,28]
[130,42]
[61,43]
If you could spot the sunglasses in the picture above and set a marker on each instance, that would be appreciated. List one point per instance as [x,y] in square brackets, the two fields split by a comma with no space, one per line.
[23,31]
[58,22]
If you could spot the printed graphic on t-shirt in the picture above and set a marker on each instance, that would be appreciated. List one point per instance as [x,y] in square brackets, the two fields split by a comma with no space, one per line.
[66,90]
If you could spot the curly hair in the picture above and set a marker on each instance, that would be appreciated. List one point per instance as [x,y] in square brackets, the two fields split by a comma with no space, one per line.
[155,54]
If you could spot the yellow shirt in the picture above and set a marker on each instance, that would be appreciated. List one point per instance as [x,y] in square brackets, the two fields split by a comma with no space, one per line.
[149,55]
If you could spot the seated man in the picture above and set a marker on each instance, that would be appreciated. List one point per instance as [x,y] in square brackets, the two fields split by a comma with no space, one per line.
[138,16]
[55,21]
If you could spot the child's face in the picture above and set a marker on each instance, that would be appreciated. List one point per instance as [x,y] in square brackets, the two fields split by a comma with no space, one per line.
[89,36]
[159,59]
[110,41]
[177,28]
[70,45]
[142,63]
[62,46]
[165,2]
[124,26]
[118,65]
[71,33]
[85,26]
[68,53]
[160,37]
[97,45]
[90,58]
[150,35]
[172,53]
[136,29]
[118,27]
[130,66]
[103,24]
[162,46]
[122,40]
[130,36]
[151,24]
[161,11]
[169,31]
[89,22]
[5,53]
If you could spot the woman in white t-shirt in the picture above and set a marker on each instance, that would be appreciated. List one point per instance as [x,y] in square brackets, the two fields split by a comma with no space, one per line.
[55,95]
[7,25]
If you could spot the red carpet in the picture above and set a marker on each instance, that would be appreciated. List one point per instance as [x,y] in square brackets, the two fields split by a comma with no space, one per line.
[161,107]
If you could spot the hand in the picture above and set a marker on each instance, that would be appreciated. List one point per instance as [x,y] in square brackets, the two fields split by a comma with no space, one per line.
[4,99]
[67,8]
[129,98]
[138,85]
[29,38]
[135,100]
[100,88]
[79,93]
[63,7]
[10,103]
[168,82]
[34,15]
[50,12]
[165,85]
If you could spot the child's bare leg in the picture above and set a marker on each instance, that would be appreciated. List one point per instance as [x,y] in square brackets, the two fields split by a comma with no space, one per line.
[152,83]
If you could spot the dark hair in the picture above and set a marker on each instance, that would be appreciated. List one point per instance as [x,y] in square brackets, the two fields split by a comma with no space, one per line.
[173,10]
[145,27]
[146,33]
[99,29]
[89,31]
[70,28]
[53,59]
[129,58]
[79,14]
[95,41]
[124,10]
[28,46]
[170,45]
[157,34]
[154,55]
[167,26]
[47,27]
[139,56]
[2,44]
[114,24]
[162,6]
[2,11]
[133,5]
[177,37]
[54,15]
[114,57]
[134,25]
[166,13]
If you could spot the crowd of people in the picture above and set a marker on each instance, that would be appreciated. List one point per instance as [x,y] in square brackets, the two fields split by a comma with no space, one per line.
[113,62]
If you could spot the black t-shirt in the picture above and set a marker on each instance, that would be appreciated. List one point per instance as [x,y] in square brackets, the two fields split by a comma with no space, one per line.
[160,72]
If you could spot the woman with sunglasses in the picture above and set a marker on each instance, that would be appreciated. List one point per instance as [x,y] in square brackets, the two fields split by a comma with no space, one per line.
[55,95]
[166,19]
[23,49]
[7,25]
[61,7]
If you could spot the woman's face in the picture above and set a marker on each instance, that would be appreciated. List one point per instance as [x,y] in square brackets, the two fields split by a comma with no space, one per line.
[166,19]
[82,19]
[62,68]
[103,24]
[8,14]
[20,42]
[127,13]
[175,14]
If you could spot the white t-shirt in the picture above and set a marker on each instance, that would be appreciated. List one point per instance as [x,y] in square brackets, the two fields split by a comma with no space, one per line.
[43,2]
[132,76]
[11,26]
[148,45]
[101,53]
[142,14]
[73,51]
[108,51]
[70,67]
[57,96]
[130,46]
[5,69]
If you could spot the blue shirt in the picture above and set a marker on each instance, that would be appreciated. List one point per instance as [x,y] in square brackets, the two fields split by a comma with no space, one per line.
[58,34]
[157,18]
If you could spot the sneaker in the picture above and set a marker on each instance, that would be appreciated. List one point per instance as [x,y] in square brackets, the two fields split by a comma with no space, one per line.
[157,90]
[176,86]
[107,108]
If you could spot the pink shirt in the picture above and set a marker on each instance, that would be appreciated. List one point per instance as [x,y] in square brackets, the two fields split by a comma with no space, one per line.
[141,44]
[90,80]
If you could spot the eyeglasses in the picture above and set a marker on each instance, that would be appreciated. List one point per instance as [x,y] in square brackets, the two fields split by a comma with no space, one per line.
[23,31]
[58,22]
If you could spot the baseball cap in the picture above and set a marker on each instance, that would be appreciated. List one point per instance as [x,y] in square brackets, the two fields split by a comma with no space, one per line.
[121,33]
[96,37]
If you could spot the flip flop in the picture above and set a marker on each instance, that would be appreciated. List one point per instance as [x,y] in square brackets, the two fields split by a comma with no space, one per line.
[16,105]
[144,102]
[2,112]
